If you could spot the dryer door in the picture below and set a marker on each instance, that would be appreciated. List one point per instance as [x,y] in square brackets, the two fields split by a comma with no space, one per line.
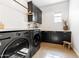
[14,46]
[36,40]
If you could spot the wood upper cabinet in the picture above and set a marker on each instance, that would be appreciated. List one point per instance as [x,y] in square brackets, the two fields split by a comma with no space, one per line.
[36,13]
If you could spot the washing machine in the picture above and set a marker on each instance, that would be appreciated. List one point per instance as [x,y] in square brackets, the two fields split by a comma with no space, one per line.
[19,44]
[35,41]
[15,44]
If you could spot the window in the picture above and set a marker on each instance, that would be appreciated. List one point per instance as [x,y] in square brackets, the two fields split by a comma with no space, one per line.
[58,17]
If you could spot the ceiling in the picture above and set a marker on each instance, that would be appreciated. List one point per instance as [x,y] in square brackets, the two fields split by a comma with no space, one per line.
[41,3]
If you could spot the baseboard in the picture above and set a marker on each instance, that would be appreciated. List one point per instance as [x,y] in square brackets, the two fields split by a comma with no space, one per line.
[76,52]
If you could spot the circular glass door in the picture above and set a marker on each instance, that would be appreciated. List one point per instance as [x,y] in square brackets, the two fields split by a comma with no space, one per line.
[36,40]
[15,46]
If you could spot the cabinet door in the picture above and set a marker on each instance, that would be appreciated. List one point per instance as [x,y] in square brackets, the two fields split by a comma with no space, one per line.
[30,8]
[39,16]
[45,36]
[55,37]
[34,13]
[30,18]
[67,36]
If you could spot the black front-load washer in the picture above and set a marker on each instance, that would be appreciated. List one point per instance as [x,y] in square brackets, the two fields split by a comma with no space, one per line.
[35,41]
[13,43]
[19,44]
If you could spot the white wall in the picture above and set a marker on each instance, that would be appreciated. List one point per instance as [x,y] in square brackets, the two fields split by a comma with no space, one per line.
[48,23]
[12,15]
[74,23]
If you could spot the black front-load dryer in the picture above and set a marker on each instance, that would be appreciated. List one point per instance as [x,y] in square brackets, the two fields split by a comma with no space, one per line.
[13,44]
[35,41]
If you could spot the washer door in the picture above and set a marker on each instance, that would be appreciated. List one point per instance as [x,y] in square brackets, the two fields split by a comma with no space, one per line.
[14,46]
[36,40]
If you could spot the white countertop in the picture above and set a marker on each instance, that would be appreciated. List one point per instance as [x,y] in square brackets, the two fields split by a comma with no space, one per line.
[18,29]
